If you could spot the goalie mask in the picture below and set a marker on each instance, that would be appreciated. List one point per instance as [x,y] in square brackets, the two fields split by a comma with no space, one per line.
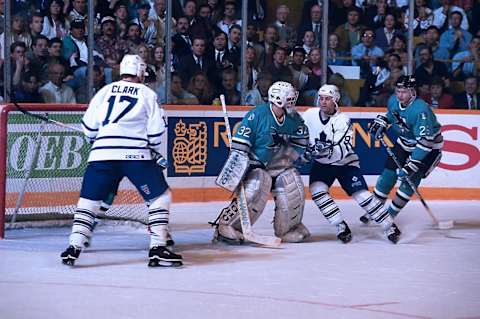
[405,90]
[330,91]
[283,94]
[133,65]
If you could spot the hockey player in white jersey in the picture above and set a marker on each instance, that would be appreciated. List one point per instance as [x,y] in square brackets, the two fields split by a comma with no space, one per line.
[125,124]
[333,157]
[267,142]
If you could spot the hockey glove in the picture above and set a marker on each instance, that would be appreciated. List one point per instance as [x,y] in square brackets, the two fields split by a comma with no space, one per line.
[378,126]
[160,160]
[322,149]
[408,170]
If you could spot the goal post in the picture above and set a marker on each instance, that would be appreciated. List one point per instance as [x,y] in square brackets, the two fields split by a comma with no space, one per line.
[42,166]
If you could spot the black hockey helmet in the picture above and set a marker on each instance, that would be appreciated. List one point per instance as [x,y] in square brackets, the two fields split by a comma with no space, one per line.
[406,81]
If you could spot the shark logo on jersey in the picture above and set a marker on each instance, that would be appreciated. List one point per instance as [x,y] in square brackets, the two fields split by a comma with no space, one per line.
[400,122]
[277,139]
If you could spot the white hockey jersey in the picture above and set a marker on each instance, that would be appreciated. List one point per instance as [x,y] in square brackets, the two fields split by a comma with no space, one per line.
[335,129]
[125,122]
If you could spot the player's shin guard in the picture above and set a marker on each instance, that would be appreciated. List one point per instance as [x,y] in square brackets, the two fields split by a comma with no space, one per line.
[325,203]
[158,217]
[374,208]
[83,222]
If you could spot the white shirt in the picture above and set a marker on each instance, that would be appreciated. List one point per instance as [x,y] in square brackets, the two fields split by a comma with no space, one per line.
[335,129]
[54,94]
[125,121]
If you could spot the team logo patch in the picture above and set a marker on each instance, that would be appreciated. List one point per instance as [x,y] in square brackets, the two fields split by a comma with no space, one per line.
[354,178]
[145,189]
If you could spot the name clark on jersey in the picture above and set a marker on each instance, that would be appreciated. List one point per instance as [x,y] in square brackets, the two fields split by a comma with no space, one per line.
[125,89]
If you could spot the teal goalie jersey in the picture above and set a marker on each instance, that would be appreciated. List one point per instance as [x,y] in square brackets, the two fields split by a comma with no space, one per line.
[416,126]
[262,135]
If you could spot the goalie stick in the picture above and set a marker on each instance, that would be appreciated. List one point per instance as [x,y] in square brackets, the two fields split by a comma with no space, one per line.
[440,224]
[245,222]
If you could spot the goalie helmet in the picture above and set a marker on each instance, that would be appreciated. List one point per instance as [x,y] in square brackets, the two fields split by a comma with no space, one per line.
[133,64]
[283,95]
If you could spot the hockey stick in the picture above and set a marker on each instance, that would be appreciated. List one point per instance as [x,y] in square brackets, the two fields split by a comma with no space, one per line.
[245,222]
[440,224]
[42,117]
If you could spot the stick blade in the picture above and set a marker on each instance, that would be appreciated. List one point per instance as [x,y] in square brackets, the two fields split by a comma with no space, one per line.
[269,241]
[445,224]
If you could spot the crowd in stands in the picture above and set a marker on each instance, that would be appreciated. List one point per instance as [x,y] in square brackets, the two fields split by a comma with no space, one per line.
[49,52]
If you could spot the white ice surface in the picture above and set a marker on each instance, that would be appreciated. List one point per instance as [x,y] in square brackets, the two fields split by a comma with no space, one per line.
[431,273]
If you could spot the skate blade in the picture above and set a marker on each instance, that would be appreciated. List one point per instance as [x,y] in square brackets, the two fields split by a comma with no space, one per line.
[162,263]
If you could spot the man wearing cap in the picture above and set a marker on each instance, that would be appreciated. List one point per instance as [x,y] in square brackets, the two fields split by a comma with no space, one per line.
[147,28]
[109,43]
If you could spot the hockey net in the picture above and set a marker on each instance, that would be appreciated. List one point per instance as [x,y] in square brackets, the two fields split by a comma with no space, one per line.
[41,169]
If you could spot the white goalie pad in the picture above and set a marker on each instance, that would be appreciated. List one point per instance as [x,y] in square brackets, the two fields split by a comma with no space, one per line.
[289,196]
[233,170]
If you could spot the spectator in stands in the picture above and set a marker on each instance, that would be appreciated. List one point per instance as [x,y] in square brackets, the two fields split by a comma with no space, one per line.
[195,62]
[269,43]
[259,94]
[385,35]
[341,14]
[18,33]
[55,46]
[202,26]
[440,16]
[159,65]
[431,38]
[121,18]
[438,98]
[467,63]
[298,68]
[470,98]
[422,17]
[235,44]
[217,10]
[338,80]
[375,15]
[190,10]
[257,11]
[229,80]
[430,68]
[287,35]
[55,91]
[455,39]
[75,49]
[314,24]
[336,56]
[252,40]
[110,45]
[178,94]
[159,20]
[475,16]
[79,10]
[221,56]
[309,41]
[54,25]
[201,88]
[229,17]
[148,32]
[39,54]
[314,81]
[182,44]
[278,69]
[349,34]
[20,63]
[36,24]
[386,78]
[81,94]
[366,54]
[27,92]
[143,51]
[252,70]
[134,37]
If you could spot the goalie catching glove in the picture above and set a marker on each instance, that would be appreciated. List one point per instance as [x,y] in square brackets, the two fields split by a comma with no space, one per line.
[233,170]
[378,127]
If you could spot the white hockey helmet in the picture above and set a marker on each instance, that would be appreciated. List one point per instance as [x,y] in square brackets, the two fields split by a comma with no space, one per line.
[329,90]
[283,94]
[133,64]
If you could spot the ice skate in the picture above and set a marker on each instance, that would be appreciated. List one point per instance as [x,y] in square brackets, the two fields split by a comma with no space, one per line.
[70,255]
[160,256]
[393,233]
[343,233]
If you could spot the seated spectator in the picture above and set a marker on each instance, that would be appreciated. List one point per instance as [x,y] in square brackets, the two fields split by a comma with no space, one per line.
[217,10]
[55,91]
[470,98]
[81,94]
[385,35]
[178,94]
[423,89]
[287,35]
[269,43]
[158,16]
[298,68]
[197,61]
[38,56]
[259,95]
[201,88]
[455,39]
[79,10]
[440,16]
[467,63]
[201,25]
[144,52]
[366,54]
[341,11]
[309,41]
[314,63]
[55,46]
[313,24]
[376,14]
[18,33]
[27,92]
[430,68]
[438,98]
[229,17]
[386,80]
[20,63]
[109,43]
[182,44]
[148,32]
[431,38]
[159,65]
[229,81]
[120,13]
[252,70]
[278,69]
[134,37]
[349,34]
[422,17]
[35,24]
[54,25]
[335,55]
[235,44]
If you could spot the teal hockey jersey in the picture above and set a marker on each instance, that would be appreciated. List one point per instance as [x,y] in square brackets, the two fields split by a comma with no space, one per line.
[261,135]
[416,126]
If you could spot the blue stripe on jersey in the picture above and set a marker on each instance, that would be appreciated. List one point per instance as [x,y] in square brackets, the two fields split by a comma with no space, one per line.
[89,128]
[156,135]
[123,138]
[120,147]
